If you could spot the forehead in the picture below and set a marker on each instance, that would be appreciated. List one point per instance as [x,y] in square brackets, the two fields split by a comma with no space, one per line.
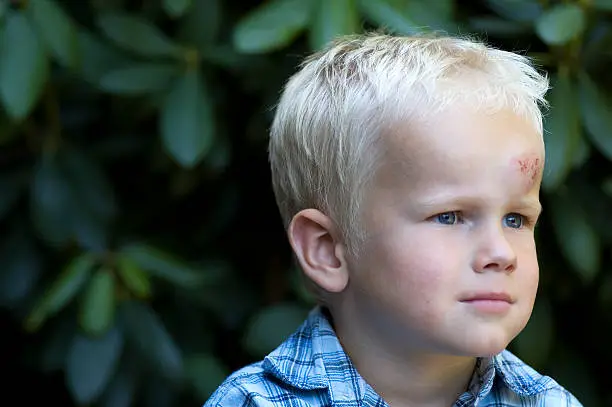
[462,145]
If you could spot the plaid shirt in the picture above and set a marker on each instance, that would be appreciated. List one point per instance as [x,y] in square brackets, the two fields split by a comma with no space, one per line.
[310,369]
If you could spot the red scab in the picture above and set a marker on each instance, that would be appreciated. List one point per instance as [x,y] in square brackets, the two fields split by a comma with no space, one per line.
[530,167]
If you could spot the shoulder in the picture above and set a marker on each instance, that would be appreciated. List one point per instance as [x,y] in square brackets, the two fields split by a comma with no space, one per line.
[253,386]
[526,383]
[294,374]
[243,388]
[559,397]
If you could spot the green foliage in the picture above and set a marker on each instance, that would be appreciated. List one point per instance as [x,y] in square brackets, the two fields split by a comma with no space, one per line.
[563,120]
[273,25]
[561,23]
[90,364]
[23,67]
[270,326]
[187,126]
[143,254]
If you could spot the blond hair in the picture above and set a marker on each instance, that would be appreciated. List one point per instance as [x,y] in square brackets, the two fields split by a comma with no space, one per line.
[324,137]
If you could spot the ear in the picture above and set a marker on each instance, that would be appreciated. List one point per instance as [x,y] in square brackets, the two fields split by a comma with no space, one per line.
[319,250]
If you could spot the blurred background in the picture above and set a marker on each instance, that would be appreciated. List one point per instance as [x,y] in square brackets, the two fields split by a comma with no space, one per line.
[142,257]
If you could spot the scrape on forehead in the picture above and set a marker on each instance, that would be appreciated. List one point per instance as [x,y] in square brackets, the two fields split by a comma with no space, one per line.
[530,168]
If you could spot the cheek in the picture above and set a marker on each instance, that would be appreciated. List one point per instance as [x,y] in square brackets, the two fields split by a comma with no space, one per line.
[527,257]
[417,268]
[527,275]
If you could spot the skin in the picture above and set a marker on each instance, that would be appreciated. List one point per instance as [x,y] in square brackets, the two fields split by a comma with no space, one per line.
[450,213]
[531,168]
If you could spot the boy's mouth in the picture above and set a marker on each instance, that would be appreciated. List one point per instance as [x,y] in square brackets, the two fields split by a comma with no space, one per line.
[489,302]
[488,296]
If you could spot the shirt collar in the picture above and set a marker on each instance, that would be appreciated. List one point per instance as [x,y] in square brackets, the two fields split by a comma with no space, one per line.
[313,358]
[508,370]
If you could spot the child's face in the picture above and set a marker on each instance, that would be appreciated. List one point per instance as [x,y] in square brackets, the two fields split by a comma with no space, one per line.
[450,220]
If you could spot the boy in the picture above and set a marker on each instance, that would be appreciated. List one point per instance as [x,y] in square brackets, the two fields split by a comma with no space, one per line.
[407,171]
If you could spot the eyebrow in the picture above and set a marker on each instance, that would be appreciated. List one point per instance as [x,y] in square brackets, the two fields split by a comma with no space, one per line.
[531,204]
[466,200]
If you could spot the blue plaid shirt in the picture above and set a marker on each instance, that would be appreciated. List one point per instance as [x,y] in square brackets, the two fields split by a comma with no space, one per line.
[310,369]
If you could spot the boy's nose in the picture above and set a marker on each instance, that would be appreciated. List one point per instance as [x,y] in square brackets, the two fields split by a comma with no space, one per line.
[494,253]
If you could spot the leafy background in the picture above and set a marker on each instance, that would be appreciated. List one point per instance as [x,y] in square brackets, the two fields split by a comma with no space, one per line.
[142,258]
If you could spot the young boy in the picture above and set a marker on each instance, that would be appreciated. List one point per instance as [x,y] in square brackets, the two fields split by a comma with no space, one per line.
[407,170]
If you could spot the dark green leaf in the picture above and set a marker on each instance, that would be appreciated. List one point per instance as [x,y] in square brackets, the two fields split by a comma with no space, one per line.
[88,182]
[89,230]
[272,25]
[138,79]
[596,109]
[271,326]
[148,334]
[123,387]
[578,241]
[561,24]
[333,18]
[21,267]
[98,306]
[498,27]
[220,155]
[98,58]
[200,26]
[91,364]
[522,11]
[50,201]
[594,202]
[605,5]
[390,14]
[187,121]
[133,277]
[562,131]
[138,35]
[176,8]
[535,342]
[444,8]
[164,266]
[56,29]
[205,373]
[582,153]
[436,15]
[71,198]
[62,291]
[23,67]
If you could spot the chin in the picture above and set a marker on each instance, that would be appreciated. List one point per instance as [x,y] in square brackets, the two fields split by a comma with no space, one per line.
[484,344]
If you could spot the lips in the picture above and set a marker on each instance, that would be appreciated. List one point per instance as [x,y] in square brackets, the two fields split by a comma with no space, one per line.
[489,303]
[488,296]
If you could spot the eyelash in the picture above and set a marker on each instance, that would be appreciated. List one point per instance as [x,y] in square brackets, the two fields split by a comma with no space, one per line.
[525,221]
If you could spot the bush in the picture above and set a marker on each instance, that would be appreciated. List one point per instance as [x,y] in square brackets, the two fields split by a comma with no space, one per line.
[143,258]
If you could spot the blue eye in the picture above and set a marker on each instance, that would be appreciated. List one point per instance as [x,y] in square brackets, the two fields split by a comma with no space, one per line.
[513,220]
[447,218]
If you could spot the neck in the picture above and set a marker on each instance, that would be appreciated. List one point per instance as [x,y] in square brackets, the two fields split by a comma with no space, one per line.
[406,378]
